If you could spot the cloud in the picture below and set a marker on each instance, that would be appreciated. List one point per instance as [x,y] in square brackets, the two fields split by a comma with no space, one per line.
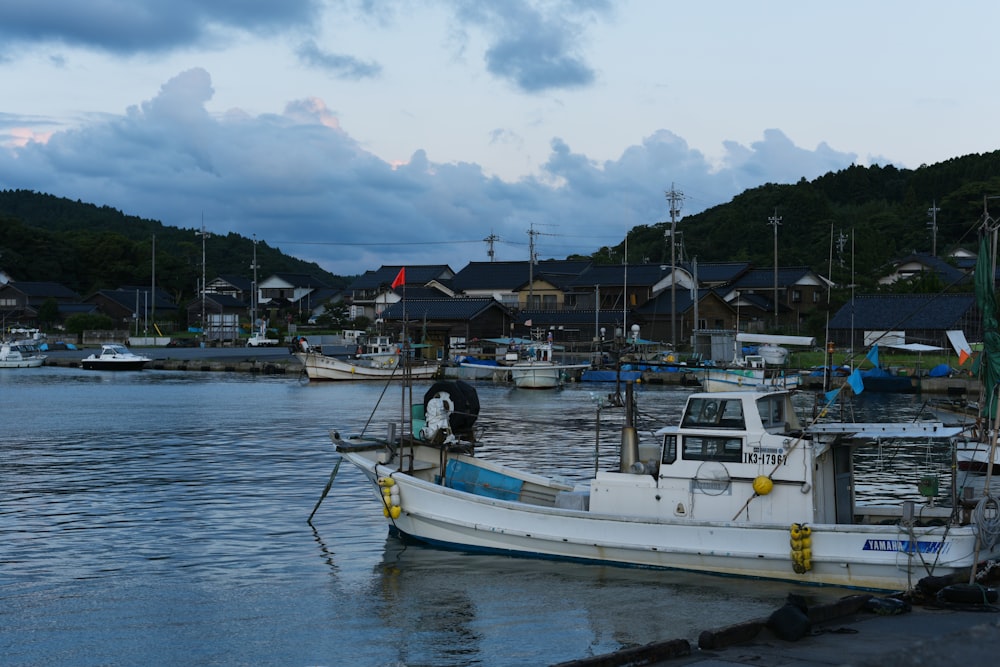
[129,27]
[535,47]
[299,181]
[338,65]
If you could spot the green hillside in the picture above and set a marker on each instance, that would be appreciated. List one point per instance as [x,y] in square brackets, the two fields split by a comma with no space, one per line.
[881,212]
[87,247]
[884,209]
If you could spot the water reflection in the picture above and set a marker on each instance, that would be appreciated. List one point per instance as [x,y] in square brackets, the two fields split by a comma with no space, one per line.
[160,517]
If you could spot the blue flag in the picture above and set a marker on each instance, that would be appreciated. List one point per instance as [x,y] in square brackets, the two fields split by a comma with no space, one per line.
[873,355]
[854,379]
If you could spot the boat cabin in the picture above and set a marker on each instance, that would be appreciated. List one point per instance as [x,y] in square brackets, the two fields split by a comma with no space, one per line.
[739,456]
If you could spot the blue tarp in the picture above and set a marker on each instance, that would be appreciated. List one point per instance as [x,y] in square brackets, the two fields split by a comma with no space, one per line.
[940,371]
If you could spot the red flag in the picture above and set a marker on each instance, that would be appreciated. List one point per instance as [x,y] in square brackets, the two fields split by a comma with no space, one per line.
[962,356]
[400,278]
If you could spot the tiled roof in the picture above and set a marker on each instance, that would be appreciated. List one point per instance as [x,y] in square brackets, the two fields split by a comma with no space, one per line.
[300,279]
[508,276]
[415,275]
[763,278]
[887,312]
[43,290]
[615,275]
[440,309]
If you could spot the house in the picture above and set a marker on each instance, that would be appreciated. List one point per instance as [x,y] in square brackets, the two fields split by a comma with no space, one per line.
[222,316]
[923,318]
[710,311]
[130,307]
[20,302]
[237,287]
[919,264]
[448,324]
[281,289]
[623,286]
[513,283]
[371,293]
[795,293]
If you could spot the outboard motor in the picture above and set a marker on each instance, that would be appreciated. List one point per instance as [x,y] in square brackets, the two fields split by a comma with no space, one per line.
[454,405]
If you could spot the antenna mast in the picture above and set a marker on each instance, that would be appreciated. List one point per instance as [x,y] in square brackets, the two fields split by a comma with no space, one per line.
[775,220]
[675,197]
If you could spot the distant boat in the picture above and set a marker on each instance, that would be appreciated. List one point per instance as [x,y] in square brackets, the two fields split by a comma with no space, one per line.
[377,359]
[114,357]
[754,376]
[537,370]
[20,354]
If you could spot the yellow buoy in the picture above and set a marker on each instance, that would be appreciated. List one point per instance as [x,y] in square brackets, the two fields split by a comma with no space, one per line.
[395,511]
[762,485]
[386,481]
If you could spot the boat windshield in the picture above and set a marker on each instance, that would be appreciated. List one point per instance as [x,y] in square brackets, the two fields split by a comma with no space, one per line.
[115,349]
[714,413]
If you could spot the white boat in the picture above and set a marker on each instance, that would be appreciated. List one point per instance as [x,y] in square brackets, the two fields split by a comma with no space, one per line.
[738,487]
[536,369]
[21,354]
[114,357]
[754,375]
[318,366]
[378,359]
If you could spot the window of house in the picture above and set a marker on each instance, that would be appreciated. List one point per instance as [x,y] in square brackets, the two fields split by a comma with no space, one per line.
[796,296]
[549,301]
[816,296]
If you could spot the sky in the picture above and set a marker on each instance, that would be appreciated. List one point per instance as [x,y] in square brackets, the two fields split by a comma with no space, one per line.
[369,132]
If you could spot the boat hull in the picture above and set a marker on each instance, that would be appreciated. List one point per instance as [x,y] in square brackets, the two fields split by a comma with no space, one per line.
[536,377]
[321,367]
[867,557]
[31,362]
[718,380]
[106,365]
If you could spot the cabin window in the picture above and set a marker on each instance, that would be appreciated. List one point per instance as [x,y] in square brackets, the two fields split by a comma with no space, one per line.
[713,448]
[714,413]
[669,448]
[773,412]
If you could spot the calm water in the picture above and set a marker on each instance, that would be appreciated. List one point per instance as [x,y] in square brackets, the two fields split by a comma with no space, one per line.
[160,518]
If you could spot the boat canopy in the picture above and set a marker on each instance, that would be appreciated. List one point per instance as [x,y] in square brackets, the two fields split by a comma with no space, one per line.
[764,339]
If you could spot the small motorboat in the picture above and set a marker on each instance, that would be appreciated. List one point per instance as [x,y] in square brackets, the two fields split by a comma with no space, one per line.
[20,354]
[114,357]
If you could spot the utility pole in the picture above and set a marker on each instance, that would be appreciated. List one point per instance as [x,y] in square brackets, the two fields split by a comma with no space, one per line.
[532,258]
[775,221]
[675,197]
[203,234]
[253,299]
[490,240]
[932,212]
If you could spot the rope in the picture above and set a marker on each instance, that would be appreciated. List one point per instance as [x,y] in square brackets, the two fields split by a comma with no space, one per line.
[987,527]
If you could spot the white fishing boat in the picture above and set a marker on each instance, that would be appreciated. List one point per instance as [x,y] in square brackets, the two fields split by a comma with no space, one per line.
[754,375]
[536,368]
[763,371]
[738,487]
[379,359]
[21,354]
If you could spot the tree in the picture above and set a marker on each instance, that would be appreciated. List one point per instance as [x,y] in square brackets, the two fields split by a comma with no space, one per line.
[48,314]
[80,322]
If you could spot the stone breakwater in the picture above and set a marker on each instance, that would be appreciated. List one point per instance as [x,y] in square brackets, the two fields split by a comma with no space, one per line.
[228,360]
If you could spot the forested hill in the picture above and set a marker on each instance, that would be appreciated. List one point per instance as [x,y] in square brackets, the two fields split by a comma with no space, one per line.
[87,247]
[883,213]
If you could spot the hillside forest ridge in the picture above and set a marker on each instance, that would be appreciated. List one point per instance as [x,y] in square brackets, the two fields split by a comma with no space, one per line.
[883,210]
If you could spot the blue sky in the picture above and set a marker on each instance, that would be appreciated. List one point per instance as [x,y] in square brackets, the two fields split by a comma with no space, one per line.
[356,134]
